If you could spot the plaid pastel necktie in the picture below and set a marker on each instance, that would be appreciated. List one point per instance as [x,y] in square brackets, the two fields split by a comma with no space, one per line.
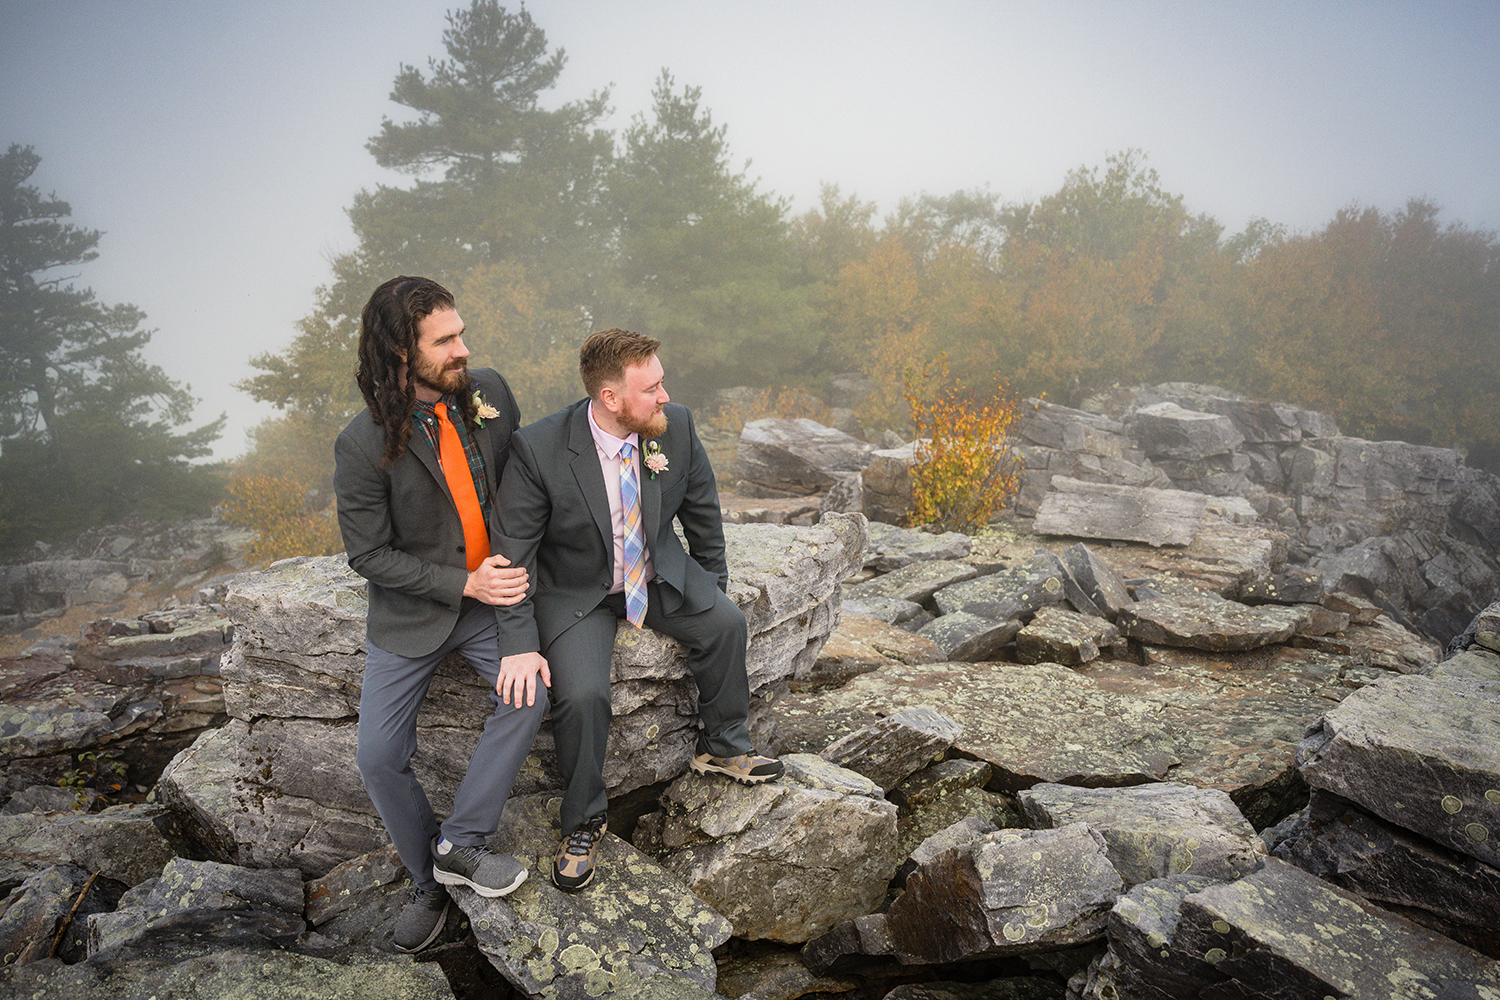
[461,485]
[635,540]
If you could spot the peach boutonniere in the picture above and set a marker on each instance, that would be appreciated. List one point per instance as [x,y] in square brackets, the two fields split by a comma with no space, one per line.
[655,460]
[483,411]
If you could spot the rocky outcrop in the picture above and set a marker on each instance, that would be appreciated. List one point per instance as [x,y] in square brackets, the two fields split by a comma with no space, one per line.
[1019,764]
[1408,527]
[108,711]
[781,458]
[106,563]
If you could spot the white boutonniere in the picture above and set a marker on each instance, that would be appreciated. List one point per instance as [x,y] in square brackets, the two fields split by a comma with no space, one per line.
[482,410]
[655,460]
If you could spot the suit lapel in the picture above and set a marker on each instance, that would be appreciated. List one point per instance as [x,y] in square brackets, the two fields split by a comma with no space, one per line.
[590,478]
[482,441]
[650,499]
[422,448]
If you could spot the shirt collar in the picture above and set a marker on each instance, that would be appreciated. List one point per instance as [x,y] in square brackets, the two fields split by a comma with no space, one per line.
[607,442]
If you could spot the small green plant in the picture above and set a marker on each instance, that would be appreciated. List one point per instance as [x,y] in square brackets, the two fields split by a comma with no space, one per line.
[93,775]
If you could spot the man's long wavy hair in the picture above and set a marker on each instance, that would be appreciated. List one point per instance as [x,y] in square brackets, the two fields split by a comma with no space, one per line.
[387,337]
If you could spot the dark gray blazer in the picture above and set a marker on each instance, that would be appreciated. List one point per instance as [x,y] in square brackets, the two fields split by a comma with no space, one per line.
[401,528]
[554,520]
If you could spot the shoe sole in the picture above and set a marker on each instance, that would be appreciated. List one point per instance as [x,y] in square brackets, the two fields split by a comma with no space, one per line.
[574,888]
[437,929]
[487,891]
[753,779]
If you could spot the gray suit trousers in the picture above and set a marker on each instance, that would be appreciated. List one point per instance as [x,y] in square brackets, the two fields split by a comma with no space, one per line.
[579,659]
[394,688]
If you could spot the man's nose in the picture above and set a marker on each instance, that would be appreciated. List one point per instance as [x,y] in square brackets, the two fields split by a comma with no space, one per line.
[459,350]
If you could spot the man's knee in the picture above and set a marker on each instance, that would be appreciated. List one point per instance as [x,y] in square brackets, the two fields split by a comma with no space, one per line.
[728,623]
[376,758]
[531,715]
[587,702]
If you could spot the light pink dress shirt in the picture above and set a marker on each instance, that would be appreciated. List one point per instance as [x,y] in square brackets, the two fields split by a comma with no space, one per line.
[608,448]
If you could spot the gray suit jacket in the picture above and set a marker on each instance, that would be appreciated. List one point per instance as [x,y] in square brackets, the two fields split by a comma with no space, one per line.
[554,520]
[401,528]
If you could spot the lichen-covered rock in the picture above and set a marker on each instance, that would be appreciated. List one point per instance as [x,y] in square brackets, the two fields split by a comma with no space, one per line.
[1010,892]
[1088,735]
[1420,752]
[125,842]
[1348,847]
[784,861]
[1058,635]
[861,644]
[1209,623]
[891,547]
[1155,830]
[1141,961]
[634,924]
[888,751]
[1282,932]
[915,582]
[965,637]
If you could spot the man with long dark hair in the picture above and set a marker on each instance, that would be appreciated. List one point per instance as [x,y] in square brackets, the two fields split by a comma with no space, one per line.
[415,476]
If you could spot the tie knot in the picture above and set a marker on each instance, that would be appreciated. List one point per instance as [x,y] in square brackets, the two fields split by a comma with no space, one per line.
[625,450]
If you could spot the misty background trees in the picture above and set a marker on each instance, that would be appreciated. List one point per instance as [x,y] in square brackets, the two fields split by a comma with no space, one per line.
[548,226]
[89,432]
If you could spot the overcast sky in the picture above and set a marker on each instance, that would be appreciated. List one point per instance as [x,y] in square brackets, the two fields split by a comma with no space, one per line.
[217,145]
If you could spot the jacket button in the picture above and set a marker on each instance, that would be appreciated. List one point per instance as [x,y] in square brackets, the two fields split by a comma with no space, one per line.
[578,614]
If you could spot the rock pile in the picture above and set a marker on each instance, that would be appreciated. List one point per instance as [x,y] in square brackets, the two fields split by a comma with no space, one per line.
[1142,743]
[1407,527]
[105,564]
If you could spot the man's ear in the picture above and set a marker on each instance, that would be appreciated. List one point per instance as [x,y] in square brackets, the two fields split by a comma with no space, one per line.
[609,398]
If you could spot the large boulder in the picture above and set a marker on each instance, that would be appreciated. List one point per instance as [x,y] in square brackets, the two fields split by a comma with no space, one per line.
[798,457]
[279,787]
[783,861]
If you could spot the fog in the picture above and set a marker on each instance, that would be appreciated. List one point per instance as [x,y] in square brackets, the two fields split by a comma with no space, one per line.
[217,146]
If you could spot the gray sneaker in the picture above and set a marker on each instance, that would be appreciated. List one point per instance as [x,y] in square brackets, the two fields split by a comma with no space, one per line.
[421,920]
[479,868]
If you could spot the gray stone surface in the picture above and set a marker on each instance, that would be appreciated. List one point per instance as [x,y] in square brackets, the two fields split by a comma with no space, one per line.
[1078,509]
[1010,892]
[780,457]
[636,922]
[1088,735]
[1280,931]
[1422,753]
[1208,622]
[890,750]
[783,861]
[1057,635]
[1152,831]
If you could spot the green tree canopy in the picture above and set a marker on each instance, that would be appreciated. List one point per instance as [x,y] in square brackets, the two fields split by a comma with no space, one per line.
[507,201]
[89,431]
[710,258]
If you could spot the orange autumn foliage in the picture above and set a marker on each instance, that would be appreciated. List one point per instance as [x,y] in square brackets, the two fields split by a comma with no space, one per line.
[965,469]
[279,509]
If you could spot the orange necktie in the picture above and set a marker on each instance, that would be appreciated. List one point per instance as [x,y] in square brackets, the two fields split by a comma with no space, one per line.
[461,486]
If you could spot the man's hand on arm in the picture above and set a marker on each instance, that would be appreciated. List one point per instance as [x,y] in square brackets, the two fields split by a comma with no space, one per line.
[497,582]
[518,673]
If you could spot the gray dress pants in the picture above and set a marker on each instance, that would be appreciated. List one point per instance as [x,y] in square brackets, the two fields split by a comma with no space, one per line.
[393,691]
[579,660]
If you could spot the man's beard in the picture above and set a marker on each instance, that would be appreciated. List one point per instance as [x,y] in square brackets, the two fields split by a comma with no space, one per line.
[442,380]
[653,426]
